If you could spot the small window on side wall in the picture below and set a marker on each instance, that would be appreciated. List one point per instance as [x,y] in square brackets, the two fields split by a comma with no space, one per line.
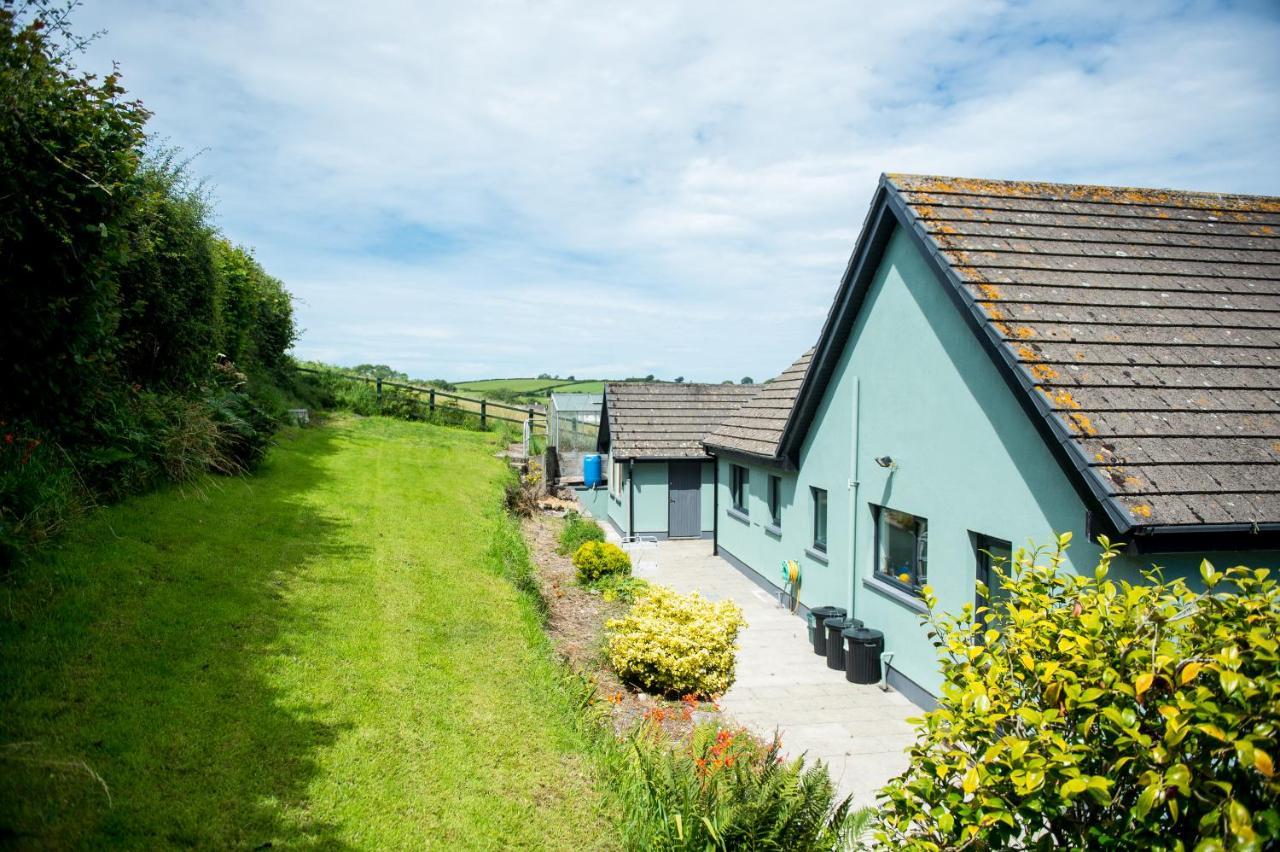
[991,552]
[775,501]
[615,479]
[739,480]
[819,519]
[902,548]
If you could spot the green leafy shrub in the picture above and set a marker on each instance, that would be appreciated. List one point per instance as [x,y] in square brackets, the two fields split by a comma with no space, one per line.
[675,644]
[576,531]
[119,296]
[723,790]
[620,587]
[1082,712]
[597,559]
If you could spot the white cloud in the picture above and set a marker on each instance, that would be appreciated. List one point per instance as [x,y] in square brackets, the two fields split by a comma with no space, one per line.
[512,188]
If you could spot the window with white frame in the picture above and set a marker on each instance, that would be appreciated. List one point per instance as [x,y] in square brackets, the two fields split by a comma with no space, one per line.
[615,479]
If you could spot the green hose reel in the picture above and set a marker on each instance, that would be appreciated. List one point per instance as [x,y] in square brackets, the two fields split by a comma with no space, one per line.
[791,581]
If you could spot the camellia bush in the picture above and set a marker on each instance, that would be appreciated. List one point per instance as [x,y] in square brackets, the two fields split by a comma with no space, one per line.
[675,644]
[598,559]
[1078,711]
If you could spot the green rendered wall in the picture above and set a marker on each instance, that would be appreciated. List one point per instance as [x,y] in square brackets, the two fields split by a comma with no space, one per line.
[594,501]
[968,459]
[651,507]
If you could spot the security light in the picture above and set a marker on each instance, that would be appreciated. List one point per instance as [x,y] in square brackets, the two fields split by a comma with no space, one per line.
[885,461]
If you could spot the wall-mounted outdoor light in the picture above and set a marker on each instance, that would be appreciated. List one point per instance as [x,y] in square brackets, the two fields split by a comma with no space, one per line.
[886,461]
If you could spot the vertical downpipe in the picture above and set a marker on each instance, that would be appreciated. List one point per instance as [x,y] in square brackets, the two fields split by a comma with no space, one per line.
[715,506]
[852,518]
[631,497]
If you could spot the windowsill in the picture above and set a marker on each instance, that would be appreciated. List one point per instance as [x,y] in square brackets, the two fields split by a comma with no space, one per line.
[817,555]
[773,530]
[896,594]
[738,515]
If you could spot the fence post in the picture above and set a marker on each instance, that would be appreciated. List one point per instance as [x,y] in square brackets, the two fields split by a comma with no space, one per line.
[379,392]
[483,418]
[431,401]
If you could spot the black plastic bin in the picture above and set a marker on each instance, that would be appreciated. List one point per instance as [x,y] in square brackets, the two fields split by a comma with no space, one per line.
[835,640]
[862,661]
[817,634]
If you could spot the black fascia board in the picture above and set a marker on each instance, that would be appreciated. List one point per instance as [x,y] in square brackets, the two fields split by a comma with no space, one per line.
[862,265]
[602,434]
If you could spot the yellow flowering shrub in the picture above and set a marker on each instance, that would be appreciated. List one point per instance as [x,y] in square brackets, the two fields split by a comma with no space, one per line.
[676,644]
[597,559]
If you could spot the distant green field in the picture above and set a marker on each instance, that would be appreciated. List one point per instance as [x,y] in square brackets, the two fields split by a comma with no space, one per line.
[537,387]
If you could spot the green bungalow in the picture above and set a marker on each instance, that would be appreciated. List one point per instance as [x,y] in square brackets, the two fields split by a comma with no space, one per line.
[661,480]
[1007,361]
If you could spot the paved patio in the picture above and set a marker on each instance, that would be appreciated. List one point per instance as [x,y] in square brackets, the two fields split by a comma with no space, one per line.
[860,732]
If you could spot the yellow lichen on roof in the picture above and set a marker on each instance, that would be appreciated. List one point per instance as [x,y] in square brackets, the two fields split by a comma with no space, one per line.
[1060,397]
[1023,333]
[1026,353]
[1043,372]
[1081,423]
[1141,510]
[1083,192]
[990,291]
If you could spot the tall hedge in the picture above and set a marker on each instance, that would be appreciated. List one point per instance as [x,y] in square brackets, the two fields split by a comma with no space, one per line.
[137,344]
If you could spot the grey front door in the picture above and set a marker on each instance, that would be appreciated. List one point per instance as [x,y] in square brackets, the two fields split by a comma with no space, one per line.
[684,499]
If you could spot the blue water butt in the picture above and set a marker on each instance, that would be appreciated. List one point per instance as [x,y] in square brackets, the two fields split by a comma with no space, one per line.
[591,476]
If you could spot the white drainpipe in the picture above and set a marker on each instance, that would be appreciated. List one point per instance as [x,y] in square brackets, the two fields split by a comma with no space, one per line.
[885,659]
[852,515]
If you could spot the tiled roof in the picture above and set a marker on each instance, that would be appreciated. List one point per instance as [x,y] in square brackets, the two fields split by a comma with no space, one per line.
[663,420]
[1147,320]
[756,428]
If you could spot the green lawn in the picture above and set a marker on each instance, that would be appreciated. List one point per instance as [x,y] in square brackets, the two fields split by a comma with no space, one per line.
[325,654]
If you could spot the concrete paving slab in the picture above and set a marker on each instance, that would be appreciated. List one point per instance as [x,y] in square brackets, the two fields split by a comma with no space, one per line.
[860,732]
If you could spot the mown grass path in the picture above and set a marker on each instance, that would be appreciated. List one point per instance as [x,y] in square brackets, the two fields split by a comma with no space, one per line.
[325,654]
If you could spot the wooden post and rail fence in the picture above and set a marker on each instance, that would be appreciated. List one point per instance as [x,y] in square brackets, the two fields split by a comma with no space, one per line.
[484,407]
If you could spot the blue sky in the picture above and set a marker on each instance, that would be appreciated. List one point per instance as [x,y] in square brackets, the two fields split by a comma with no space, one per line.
[467,190]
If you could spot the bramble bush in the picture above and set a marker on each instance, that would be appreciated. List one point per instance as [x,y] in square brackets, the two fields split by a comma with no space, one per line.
[1084,712]
[722,790]
[576,531]
[596,560]
[673,644]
